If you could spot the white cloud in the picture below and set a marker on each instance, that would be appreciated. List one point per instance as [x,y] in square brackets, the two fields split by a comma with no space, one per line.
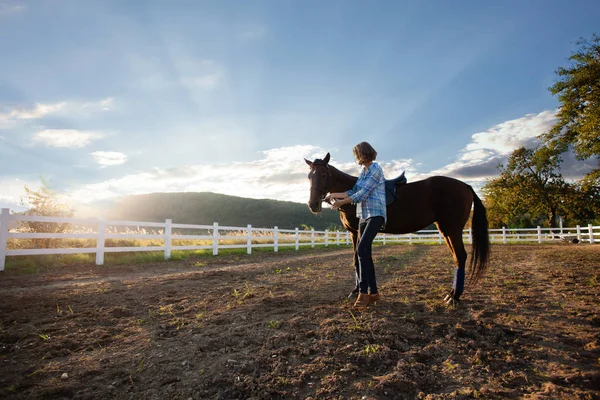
[291,153]
[280,174]
[38,111]
[106,158]
[71,138]
[7,8]
[14,115]
[480,158]
[507,136]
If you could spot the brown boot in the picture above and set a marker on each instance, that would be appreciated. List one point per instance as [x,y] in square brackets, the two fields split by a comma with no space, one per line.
[362,300]
[374,298]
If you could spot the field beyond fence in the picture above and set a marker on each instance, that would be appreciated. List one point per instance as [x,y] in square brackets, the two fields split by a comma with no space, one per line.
[99,236]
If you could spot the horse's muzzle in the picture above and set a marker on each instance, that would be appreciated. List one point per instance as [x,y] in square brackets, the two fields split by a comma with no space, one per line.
[315,206]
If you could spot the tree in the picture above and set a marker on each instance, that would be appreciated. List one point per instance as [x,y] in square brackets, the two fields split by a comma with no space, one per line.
[583,200]
[45,202]
[529,188]
[578,91]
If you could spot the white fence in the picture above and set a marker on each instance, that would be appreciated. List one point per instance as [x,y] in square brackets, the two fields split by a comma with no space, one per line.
[221,237]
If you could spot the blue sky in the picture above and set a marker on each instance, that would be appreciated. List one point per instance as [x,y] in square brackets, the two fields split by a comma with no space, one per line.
[109,98]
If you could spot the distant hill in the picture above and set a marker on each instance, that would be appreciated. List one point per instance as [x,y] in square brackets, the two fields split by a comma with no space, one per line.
[206,208]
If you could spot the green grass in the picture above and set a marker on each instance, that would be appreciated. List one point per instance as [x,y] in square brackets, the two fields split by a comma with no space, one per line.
[35,264]
[273,324]
[21,265]
[371,349]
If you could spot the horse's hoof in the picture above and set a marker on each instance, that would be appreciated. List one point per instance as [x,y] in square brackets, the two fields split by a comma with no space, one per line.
[451,301]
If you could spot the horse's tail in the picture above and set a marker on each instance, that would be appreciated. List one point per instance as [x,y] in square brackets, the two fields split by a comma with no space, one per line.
[480,250]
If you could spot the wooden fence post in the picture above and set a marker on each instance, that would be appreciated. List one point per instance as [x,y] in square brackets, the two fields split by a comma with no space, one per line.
[471,235]
[3,236]
[579,233]
[347,238]
[591,230]
[168,229]
[337,238]
[215,238]
[326,237]
[297,239]
[275,239]
[539,230]
[312,237]
[249,242]
[100,242]
[504,235]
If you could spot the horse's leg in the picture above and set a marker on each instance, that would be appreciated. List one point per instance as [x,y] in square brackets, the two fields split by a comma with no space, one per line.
[460,259]
[455,243]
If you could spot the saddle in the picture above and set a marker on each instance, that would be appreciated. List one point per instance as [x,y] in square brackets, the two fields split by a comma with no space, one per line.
[390,188]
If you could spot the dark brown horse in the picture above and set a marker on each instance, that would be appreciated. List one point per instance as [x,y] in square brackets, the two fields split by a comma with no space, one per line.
[439,199]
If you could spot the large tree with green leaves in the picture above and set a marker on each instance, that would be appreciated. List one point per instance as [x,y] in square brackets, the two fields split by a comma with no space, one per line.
[578,90]
[529,187]
[583,200]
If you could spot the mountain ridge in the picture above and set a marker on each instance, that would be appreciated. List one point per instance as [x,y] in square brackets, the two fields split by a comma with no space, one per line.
[205,208]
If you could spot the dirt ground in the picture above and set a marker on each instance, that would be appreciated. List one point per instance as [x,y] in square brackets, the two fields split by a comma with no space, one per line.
[270,326]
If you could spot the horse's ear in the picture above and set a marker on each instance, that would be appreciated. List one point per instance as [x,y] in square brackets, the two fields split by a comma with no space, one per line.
[308,162]
[326,159]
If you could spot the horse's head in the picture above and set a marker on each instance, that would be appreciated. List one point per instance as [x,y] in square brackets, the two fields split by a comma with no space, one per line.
[319,177]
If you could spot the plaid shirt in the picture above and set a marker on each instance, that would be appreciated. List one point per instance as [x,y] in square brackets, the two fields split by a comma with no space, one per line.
[369,193]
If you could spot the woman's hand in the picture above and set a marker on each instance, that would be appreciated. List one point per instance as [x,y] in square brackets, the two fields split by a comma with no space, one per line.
[336,204]
[339,199]
[340,202]
[335,196]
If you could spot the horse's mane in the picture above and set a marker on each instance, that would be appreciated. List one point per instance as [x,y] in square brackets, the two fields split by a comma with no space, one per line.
[341,174]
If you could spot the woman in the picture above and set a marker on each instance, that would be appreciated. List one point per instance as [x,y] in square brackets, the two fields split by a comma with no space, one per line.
[369,196]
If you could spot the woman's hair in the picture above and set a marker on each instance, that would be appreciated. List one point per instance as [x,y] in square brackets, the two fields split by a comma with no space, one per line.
[364,152]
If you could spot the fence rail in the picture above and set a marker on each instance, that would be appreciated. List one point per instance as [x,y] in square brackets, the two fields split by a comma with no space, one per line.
[249,237]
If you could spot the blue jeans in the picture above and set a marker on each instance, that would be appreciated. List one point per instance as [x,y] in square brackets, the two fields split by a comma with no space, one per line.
[365,270]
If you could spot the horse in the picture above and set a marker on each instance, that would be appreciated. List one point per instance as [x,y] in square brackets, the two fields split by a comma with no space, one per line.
[441,200]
